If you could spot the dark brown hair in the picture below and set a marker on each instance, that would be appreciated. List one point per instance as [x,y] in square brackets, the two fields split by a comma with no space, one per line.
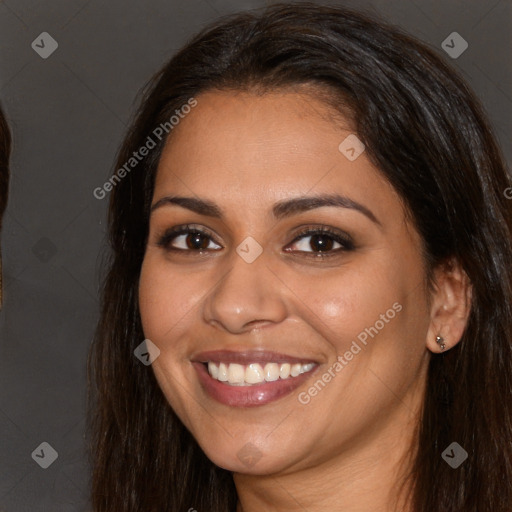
[427,133]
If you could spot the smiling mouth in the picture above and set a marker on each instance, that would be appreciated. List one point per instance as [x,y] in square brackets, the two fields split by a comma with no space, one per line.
[234,374]
[249,378]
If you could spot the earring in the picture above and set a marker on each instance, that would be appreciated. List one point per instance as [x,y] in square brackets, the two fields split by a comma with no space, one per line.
[440,342]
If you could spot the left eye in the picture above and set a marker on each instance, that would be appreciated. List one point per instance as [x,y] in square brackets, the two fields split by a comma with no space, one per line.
[322,242]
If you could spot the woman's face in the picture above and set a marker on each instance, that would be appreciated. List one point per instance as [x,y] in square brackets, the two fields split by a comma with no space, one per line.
[258,296]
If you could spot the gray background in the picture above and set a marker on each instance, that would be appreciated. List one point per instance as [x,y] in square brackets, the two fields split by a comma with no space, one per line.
[68,114]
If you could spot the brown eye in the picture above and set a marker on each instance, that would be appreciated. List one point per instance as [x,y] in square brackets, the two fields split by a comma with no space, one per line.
[185,238]
[323,242]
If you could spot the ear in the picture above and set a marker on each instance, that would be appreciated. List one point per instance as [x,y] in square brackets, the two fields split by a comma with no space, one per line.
[450,305]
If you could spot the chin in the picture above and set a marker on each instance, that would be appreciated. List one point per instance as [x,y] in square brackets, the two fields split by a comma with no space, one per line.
[247,458]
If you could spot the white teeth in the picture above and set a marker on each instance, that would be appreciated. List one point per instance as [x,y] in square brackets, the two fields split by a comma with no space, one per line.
[284,371]
[254,374]
[213,369]
[271,372]
[239,375]
[306,367]
[295,370]
[223,373]
[236,373]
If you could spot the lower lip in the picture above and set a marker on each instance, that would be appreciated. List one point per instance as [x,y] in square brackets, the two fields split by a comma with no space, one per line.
[248,396]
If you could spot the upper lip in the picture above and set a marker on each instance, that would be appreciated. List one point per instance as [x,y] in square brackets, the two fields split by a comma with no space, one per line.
[248,356]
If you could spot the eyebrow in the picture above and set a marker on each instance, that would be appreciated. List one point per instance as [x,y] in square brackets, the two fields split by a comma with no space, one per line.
[280,210]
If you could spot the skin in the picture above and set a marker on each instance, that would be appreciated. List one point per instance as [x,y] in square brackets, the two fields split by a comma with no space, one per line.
[347,447]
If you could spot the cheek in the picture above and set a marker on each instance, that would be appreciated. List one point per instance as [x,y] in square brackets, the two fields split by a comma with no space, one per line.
[166,302]
[342,305]
[165,299]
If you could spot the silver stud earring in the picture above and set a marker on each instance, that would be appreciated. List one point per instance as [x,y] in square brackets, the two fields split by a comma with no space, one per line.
[440,342]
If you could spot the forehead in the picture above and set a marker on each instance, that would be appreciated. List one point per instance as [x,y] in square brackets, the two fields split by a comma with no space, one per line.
[265,148]
[255,126]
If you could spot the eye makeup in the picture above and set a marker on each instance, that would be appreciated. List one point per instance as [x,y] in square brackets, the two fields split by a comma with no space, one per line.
[322,236]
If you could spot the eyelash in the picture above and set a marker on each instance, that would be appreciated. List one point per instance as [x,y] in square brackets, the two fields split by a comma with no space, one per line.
[344,240]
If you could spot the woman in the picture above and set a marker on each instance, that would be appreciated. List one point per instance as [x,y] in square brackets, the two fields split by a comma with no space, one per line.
[308,304]
[5,151]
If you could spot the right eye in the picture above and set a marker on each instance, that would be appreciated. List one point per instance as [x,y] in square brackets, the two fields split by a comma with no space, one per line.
[190,238]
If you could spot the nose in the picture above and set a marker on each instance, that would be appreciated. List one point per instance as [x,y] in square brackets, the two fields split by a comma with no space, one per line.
[250,295]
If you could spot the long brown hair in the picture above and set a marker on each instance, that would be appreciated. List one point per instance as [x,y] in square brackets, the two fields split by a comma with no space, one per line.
[427,133]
